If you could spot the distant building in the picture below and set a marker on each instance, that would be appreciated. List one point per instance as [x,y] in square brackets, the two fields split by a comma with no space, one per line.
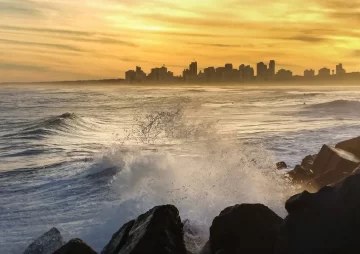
[271,70]
[228,67]
[246,73]
[159,74]
[220,73]
[309,73]
[140,75]
[130,76]
[340,70]
[193,68]
[136,76]
[209,74]
[229,74]
[324,72]
[261,71]
[284,74]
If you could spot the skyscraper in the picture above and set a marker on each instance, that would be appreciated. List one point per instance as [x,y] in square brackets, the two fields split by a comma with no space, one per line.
[271,70]
[340,70]
[228,67]
[193,68]
[309,73]
[324,72]
[261,71]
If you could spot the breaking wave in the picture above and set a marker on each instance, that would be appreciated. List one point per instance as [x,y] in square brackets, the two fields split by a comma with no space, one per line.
[346,105]
[65,123]
[336,108]
[220,172]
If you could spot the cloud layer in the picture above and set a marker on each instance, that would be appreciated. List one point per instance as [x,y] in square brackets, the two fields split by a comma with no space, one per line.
[66,39]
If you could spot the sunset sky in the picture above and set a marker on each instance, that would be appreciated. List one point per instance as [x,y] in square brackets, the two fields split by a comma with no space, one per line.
[91,39]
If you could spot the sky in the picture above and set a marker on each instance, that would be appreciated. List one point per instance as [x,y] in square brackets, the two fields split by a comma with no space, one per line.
[43,40]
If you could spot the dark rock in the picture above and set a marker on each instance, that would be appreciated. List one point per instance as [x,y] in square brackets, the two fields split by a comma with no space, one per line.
[326,222]
[308,162]
[303,173]
[47,243]
[351,146]
[75,246]
[245,228]
[118,239]
[332,164]
[281,165]
[300,174]
[158,231]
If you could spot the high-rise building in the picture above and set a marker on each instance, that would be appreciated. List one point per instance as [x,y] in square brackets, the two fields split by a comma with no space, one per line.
[271,70]
[193,68]
[135,76]
[324,72]
[284,74]
[209,74]
[249,72]
[261,71]
[186,74]
[228,67]
[309,73]
[340,70]
[246,72]
[130,76]
[140,74]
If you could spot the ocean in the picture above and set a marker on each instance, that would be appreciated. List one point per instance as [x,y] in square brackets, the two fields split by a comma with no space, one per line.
[87,159]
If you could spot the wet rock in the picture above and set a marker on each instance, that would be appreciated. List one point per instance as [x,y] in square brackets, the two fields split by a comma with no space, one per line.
[351,146]
[246,228]
[308,162]
[303,173]
[281,165]
[332,164]
[300,174]
[47,243]
[75,246]
[324,222]
[158,231]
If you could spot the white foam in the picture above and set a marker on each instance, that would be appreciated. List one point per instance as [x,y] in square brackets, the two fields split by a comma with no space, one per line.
[203,176]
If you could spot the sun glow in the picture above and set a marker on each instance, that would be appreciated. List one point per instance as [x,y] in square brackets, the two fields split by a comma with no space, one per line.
[112,36]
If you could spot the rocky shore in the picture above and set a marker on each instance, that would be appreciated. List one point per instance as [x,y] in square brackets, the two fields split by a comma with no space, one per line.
[325,218]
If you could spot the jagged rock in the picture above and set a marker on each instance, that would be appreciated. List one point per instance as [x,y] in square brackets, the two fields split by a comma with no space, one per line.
[47,243]
[281,165]
[308,162]
[333,164]
[300,174]
[351,146]
[303,173]
[158,231]
[326,222]
[75,246]
[246,228]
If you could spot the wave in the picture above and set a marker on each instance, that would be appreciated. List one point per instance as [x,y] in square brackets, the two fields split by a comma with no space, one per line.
[64,123]
[219,174]
[339,108]
[337,104]
[216,170]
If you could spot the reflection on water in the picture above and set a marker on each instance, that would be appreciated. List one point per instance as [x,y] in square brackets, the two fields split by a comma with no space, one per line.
[87,159]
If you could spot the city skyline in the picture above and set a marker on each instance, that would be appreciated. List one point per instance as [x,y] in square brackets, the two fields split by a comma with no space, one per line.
[44,40]
[262,72]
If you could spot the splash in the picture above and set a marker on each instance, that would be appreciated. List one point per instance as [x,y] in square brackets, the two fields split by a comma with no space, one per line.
[203,174]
